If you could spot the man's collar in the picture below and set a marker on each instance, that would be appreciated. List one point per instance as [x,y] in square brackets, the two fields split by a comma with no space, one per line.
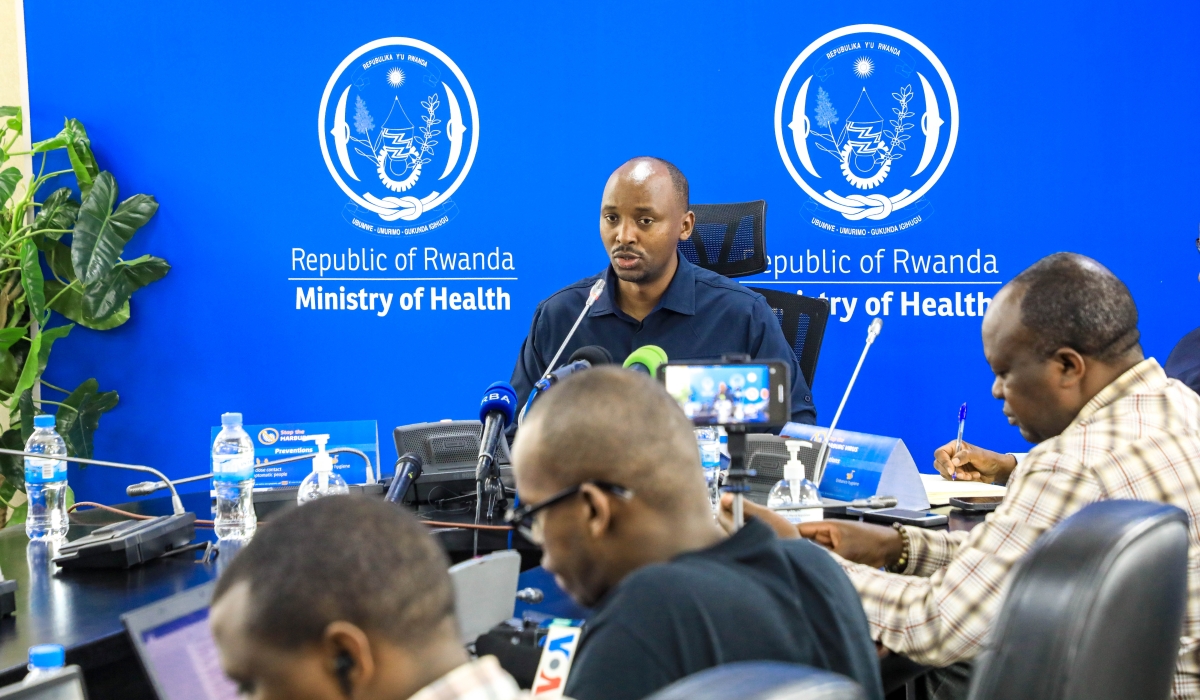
[679,297]
[480,679]
[1146,375]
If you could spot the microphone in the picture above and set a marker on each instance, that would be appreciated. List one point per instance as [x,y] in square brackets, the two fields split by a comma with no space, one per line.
[646,360]
[585,357]
[593,295]
[496,412]
[823,455]
[408,470]
[176,504]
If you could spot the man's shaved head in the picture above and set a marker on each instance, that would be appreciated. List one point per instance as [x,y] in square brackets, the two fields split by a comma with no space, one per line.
[641,168]
[615,425]
[620,427]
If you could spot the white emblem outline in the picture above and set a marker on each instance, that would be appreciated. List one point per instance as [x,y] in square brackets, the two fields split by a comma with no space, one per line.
[406,208]
[874,206]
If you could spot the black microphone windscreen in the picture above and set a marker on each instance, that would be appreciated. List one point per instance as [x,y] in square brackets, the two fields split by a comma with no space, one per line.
[594,354]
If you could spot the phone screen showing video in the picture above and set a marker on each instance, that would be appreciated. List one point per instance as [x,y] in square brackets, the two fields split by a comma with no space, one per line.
[721,394]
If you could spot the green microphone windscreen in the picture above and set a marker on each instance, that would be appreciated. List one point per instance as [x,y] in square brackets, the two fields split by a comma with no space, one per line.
[648,356]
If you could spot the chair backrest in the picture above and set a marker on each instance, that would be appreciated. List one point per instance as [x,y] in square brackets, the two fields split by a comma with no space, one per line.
[729,239]
[1094,610]
[485,592]
[762,680]
[803,320]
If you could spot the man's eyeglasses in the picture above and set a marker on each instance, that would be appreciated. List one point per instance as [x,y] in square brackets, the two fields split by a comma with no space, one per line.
[524,519]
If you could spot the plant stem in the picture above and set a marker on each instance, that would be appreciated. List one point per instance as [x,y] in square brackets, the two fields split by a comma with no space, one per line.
[56,388]
[57,403]
[62,292]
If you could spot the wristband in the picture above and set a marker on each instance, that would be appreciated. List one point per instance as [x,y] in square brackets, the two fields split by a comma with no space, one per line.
[901,563]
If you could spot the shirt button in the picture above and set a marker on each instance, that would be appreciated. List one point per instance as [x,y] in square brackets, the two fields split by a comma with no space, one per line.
[808,398]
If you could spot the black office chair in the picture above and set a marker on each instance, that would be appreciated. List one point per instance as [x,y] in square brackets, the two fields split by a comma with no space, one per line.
[803,320]
[761,680]
[729,239]
[1093,611]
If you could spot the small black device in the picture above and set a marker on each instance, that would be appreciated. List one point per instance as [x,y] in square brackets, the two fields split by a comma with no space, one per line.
[449,451]
[66,684]
[755,393]
[8,598]
[977,504]
[128,543]
[918,518]
[173,642]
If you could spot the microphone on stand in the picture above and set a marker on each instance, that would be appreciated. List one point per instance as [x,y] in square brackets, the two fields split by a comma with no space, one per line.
[408,470]
[496,412]
[585,357]
[823,455]
[176,504]
[646,359]
[593,295]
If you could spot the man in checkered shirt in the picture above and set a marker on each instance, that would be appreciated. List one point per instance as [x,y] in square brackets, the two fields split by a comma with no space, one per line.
[347,597]
[1063,342]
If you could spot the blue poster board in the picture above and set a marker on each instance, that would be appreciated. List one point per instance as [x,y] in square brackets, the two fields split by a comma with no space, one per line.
[278,440]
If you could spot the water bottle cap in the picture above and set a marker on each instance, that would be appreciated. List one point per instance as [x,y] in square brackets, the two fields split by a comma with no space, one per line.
[47,656]
[45,420]
[229,420]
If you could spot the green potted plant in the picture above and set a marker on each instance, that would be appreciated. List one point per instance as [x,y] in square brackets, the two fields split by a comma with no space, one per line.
[59,256]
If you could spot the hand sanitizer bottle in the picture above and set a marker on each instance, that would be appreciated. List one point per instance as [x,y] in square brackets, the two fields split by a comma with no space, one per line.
[795,497]
[323,481]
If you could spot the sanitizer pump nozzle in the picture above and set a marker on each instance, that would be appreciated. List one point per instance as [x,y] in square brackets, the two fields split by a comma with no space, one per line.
[323,481]
[793,470]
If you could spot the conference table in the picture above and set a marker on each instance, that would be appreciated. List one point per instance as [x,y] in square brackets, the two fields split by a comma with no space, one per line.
[81,609]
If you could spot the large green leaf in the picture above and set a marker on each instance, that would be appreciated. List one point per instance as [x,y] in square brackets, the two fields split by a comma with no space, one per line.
[70,304]
[31,280]
[37,357]
[9,177]
[9,336]
[77,427]
[79,150]
[13,120]
[100,233]
[58,213]
[114,289]
[9,370]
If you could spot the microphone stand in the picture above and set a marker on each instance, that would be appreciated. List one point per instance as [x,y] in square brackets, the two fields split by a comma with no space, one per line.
[823,455]
[593,295]
[176,504]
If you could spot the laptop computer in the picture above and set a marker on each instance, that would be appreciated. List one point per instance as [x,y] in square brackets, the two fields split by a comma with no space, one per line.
[177,650]
[66,684]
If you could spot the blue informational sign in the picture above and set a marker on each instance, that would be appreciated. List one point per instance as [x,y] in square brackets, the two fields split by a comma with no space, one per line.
[363,206]
[861,466]
[279,440]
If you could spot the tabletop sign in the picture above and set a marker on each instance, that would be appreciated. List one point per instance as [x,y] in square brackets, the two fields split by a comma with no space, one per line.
[555,663]
[279,440]
[862,465]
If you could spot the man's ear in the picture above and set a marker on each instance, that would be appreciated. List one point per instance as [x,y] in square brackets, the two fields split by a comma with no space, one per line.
[1070,366]
[599,505]
[348,656]
[689,225]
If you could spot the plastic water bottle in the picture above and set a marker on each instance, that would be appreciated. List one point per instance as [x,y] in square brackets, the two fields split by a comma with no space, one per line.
[710,460]
[233,480]
[44,660]
[46,482]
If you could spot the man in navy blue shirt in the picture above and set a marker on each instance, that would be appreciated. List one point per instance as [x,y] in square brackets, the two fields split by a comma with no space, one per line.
[653,295]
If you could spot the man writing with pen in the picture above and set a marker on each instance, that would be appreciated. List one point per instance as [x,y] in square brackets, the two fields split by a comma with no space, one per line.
[1063,343]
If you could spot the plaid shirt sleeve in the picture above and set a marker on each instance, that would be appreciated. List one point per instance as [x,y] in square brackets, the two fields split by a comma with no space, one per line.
[945,617]
[930,550]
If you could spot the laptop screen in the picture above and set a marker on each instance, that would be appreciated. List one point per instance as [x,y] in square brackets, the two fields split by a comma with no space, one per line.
[182,656]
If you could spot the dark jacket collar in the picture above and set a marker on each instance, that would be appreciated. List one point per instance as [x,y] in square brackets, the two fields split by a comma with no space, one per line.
[680,296]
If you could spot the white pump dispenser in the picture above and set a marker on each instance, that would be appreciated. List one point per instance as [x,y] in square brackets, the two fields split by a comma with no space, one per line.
[794,496]
[323,481]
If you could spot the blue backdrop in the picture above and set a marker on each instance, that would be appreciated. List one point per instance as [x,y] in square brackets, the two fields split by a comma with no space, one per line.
[1075,128]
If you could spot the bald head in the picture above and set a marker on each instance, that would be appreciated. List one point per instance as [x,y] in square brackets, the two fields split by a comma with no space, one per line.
[642,168]
[613,425]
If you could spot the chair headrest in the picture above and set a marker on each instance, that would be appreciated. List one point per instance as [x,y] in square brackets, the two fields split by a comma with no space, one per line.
[762,680]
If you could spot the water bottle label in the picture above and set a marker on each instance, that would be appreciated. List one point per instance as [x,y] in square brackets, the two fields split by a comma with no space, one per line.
[39,470]
[233,467]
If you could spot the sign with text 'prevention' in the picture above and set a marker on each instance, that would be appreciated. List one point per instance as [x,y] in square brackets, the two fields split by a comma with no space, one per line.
[280,440]
[861,466]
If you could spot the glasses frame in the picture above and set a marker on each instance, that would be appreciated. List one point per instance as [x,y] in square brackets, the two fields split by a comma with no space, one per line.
[521,519]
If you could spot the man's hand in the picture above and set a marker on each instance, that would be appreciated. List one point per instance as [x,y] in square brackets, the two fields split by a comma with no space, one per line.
[973,464]
[862,543]
[784,529]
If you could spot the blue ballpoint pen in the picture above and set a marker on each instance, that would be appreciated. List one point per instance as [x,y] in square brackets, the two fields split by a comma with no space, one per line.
[962,421]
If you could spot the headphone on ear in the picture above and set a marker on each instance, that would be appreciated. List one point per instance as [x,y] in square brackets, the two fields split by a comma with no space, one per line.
[342,666]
